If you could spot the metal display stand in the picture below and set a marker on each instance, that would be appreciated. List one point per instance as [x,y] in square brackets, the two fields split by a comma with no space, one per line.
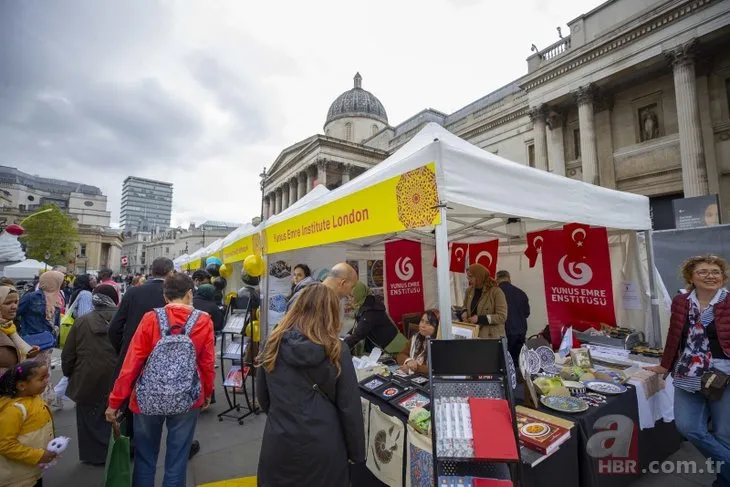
[234,345]
[471,368]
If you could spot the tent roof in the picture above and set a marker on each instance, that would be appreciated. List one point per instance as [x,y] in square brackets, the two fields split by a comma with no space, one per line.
[482,191]
[28,264]
[305,203]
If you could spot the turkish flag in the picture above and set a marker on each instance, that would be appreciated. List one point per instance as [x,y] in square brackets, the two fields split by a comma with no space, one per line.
[578,291]
[534,246]
[576,239]
[486,254]
[458,257]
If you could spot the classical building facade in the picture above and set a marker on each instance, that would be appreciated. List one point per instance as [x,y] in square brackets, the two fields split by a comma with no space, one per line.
[635,98]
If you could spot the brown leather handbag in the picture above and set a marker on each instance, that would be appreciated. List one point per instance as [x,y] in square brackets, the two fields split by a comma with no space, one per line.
[714,384]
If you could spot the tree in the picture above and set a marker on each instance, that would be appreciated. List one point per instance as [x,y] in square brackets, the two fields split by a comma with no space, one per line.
[50,237]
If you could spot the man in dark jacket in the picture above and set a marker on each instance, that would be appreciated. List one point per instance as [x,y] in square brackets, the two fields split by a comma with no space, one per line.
[137,302]
[518,310]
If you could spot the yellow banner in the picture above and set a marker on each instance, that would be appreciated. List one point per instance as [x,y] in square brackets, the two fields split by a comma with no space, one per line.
[396,204]
[238,250]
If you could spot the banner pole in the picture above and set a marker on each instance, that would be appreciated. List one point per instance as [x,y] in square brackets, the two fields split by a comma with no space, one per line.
[655,318]
[442,273]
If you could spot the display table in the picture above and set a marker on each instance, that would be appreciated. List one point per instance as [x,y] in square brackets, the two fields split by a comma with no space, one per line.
[654,444]
[563,464]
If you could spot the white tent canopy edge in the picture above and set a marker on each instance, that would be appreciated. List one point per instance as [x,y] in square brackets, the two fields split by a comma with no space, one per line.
[481,192]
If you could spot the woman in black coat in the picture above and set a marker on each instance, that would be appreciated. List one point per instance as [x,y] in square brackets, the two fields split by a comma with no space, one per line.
[309,391]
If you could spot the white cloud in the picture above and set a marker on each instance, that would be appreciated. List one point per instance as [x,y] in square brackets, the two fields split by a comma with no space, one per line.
[204,94]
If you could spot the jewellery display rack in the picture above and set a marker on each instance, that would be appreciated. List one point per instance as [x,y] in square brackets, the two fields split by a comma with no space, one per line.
[465,369]
[234,345]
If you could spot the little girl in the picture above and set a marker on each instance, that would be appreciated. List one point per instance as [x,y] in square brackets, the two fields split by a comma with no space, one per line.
[26,425]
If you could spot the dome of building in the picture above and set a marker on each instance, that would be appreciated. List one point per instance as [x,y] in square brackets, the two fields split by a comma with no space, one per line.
[357,103]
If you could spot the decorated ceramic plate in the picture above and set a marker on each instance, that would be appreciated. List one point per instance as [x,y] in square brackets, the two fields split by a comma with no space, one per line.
[547,357]
[552,369]
[512,371]
[534,429]
[572,384]
[605,387]
[533,362]
[564,404]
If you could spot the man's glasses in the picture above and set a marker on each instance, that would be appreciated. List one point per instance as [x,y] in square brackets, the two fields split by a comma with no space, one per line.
[706,273]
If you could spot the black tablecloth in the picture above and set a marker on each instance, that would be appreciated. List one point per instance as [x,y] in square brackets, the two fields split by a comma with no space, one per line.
[654,444]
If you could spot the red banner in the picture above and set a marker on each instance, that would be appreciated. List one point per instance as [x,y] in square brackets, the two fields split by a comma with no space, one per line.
[486,254]
[458,257]
[403,278]
[534,246]
[578,284]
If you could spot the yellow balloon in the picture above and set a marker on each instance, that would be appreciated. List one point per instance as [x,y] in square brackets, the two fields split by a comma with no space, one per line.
[253,265]
[225,271]
[256,331]
[258,313]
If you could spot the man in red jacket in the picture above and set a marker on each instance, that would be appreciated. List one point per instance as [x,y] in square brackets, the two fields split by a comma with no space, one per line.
[178,290]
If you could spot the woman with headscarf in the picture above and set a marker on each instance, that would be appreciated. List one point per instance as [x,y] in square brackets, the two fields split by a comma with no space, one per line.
[13,349]
[204,300]
[373,323]
[80,304]
[40,312]
[485,303]
[88,360]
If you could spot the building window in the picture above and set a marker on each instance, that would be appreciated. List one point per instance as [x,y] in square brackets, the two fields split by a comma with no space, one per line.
[576,143]
[82,250]
[375,129]
[167,250]
[88,203]
[348,131]
[31,197]
[531,155]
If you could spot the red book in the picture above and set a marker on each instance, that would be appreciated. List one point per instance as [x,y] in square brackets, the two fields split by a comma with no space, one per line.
[494,436]
[492,483]
[540,435]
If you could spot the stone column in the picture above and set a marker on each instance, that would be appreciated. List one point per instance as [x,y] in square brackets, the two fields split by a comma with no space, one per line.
[346,169]
[277,207]
[293,189]
[538,116]
[310,179]
[557,143]
[589,153]
[267,206]
[694,168]
[284,196]
[322,172]
[302,182]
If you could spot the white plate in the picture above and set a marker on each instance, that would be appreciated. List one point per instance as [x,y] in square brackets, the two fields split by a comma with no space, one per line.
[605,387]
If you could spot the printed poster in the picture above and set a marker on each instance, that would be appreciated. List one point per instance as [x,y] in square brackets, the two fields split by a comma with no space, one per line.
[404,278]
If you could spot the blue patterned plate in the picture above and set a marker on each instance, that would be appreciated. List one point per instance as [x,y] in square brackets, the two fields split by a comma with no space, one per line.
[564,404]
[605,387]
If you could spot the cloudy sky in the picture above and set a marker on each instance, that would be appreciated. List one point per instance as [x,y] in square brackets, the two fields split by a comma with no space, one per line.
[203,94]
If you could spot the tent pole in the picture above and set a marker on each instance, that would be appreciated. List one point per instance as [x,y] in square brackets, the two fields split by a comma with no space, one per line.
[655,319]
[442,273]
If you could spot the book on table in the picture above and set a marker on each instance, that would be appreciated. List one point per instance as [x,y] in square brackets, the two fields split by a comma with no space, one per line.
[541,432]
[494,438]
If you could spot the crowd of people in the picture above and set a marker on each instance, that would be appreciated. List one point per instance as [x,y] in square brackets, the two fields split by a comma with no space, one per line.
[144,360]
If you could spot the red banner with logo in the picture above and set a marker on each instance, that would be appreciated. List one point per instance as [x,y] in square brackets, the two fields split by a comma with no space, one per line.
[578,287]
[486,254]
[403,278]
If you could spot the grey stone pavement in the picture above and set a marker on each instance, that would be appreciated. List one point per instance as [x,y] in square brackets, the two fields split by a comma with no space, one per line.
[229,451]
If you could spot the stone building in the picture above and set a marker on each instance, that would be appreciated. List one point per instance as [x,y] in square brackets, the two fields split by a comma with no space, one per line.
[98,246]
[635,98]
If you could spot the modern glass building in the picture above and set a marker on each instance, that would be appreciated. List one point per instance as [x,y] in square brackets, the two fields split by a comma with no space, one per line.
[146,204]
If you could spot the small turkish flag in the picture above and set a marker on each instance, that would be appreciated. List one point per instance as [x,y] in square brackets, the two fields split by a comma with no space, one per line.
[486,254]
[534,246]
[575,235]
[458,257]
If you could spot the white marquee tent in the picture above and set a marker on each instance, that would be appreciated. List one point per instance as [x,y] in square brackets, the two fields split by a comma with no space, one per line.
[482,194]
[26,269]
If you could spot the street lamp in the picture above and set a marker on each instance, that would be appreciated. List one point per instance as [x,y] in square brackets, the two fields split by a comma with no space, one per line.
[263,188]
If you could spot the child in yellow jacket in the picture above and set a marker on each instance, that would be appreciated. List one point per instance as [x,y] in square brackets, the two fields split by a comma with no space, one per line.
[26,425]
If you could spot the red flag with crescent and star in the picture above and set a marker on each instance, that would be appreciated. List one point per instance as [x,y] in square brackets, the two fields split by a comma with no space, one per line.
[576,240]
[486,254]
[534,246]
[458,257]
